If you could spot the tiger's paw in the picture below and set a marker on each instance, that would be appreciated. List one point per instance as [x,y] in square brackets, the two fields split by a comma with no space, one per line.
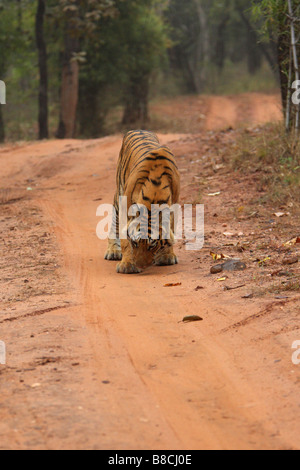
[128,268]
[166,260]
[113,255]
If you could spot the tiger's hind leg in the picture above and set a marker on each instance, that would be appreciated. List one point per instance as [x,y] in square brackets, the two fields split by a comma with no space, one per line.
[166,257]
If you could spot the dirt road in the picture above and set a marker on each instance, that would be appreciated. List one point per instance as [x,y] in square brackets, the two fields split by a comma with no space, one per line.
[102,361]
[201,113]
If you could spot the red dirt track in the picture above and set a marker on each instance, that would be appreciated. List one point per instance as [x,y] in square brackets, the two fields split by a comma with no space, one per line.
[98,360]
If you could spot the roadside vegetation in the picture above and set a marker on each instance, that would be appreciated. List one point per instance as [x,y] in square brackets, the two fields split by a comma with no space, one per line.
[273,154]
[71,64]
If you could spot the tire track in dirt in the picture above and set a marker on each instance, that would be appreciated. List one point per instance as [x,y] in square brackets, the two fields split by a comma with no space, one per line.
[266,311]
[34,314]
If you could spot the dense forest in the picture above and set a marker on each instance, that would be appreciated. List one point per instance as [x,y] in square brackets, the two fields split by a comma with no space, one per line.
[67,63]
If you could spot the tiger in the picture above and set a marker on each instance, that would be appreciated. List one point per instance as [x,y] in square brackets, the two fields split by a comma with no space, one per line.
[147,174]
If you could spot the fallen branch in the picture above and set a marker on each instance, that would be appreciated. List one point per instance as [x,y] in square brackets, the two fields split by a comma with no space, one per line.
[234,288]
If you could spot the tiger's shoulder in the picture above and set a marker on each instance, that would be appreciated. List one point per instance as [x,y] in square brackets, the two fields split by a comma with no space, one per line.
[143,159]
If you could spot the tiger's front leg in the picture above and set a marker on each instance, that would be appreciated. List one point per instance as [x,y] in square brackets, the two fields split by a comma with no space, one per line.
[113,252]
[166,257]
[128,264]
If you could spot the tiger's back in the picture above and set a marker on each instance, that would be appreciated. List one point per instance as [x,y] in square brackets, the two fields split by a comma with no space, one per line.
[141,150]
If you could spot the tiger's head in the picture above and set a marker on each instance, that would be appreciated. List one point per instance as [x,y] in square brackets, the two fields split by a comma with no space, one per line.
[145,250]
[153,190]
[150,224]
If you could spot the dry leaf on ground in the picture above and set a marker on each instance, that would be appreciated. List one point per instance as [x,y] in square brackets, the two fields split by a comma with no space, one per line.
[173,284]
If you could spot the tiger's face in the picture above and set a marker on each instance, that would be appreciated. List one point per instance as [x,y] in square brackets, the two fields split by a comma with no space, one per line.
[144,251]
[145,242]
[155,190]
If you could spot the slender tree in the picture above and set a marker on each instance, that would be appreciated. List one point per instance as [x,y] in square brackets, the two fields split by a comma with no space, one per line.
[192,41]
[70,74]
[282,25]
[283,53]
[3,65]
[202,55]
[220,49]
[79,19]
[294,53]
[43,70]
[254,59]
[145,44]
[69,90]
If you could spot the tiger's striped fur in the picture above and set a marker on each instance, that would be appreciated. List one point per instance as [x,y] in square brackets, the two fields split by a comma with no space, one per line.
[147,174]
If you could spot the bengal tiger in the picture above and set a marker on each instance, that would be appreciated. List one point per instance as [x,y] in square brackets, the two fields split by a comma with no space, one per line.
[146,174]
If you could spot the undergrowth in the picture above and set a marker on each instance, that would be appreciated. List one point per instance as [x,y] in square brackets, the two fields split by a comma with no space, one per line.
[274,156]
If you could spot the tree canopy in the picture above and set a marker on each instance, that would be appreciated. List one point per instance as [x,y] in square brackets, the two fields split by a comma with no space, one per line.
[68,63]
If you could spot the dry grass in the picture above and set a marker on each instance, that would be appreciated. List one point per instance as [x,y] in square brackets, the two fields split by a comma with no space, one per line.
[275,156]
[280,288]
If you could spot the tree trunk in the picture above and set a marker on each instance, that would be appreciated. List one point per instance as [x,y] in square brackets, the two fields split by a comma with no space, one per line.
[253,37]
[202,48]
[2,131]
[254,57]
[180,60]
[294,51]
[69,87]
[91,104]
[136,102]
[43,69]
[283,50]
[220,53]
